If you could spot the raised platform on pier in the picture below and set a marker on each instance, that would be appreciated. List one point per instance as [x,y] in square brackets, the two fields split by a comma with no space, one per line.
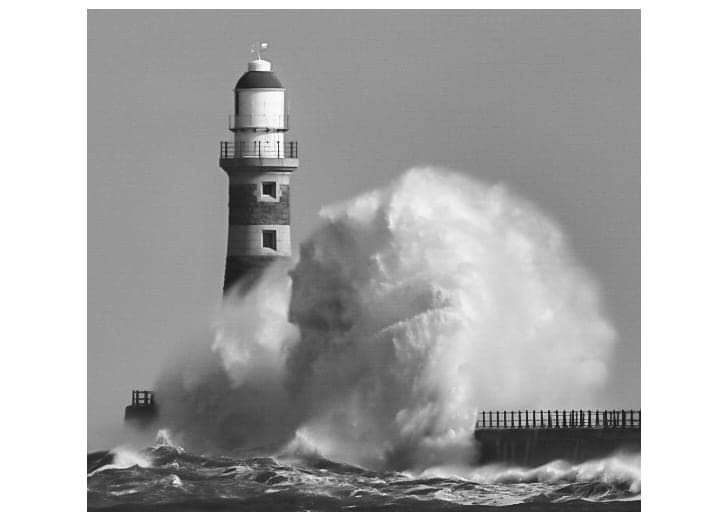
[143,409]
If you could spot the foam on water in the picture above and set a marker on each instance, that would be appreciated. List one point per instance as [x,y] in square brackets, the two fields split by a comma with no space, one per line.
[125,457]
[622,470]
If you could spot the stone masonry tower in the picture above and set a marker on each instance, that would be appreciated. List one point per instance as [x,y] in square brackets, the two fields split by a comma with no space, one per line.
[259,163]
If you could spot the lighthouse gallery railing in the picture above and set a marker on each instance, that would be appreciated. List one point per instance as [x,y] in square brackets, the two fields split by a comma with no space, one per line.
[277,150]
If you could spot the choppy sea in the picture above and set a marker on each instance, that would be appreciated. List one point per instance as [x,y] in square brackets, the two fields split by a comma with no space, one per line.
[166,477]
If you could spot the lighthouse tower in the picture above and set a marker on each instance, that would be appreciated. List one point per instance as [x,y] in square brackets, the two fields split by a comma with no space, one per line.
[259,162]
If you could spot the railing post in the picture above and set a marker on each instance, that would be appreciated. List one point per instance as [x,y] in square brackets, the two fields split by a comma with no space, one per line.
[632,418]
[497,419]
[550,423]
[512,419]
[519,419]
[589,418]
[504,418]
[557,419]
[490,414]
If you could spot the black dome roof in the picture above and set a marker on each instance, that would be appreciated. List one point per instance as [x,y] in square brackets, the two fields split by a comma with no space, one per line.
[258,79]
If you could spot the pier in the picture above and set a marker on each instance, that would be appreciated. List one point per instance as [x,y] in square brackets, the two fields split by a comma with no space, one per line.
[533,437]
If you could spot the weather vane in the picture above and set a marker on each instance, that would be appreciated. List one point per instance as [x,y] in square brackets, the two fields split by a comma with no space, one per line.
[257,49]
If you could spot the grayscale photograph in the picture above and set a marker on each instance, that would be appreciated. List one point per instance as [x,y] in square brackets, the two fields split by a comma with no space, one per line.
[364,260]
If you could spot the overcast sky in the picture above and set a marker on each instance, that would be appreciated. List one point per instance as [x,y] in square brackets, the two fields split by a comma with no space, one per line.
[546,102]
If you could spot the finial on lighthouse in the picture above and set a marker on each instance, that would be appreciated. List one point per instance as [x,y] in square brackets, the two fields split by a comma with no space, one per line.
[259,64]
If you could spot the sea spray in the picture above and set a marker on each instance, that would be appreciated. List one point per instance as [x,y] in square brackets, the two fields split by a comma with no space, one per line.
[232,396]
[411,307]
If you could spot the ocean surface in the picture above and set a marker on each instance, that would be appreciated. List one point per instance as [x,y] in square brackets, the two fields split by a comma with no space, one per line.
[166,477]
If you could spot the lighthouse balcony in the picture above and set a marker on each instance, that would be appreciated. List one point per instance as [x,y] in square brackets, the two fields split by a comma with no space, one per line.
[276,155]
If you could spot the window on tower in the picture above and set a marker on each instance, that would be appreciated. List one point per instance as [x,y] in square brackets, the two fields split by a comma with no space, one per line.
[270,239]
[270,189]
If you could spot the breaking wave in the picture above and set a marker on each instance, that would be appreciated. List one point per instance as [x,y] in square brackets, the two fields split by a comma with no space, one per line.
[410,308]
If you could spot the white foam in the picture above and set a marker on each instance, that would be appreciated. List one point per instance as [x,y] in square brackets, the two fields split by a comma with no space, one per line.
[125,457]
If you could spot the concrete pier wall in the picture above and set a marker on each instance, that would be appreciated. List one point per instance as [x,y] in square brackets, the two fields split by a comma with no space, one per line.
[533,447]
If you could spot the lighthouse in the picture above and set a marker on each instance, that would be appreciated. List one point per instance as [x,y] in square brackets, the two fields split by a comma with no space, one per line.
[259,162]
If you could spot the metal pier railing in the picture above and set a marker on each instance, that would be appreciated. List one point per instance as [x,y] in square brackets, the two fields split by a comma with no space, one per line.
[142,398]
[551,419]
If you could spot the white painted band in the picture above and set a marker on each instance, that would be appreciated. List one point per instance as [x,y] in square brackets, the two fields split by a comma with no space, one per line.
[258,177]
